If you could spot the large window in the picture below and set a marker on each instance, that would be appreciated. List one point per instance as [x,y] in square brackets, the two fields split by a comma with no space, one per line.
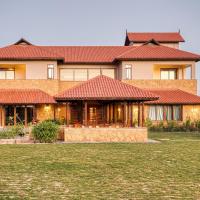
[108,72]
[127,72]
[160,112]
[84,74]
[7,74]
[50,71]
[168,74]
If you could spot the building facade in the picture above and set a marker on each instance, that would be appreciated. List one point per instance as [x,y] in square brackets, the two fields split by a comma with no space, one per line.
[37,82]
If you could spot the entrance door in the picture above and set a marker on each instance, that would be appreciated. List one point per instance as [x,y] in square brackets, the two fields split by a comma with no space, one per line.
[93,115]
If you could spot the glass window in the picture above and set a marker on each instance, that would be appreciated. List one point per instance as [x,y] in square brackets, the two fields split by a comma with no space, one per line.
[108,72]
[50,71]
[168,74]
[80,74]
[93,73]
[2,74]
[7,74]
[10,74]
[128,72]
[159,112]
[66,74]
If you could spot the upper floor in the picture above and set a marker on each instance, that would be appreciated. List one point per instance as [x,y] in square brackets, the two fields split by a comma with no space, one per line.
[25,65]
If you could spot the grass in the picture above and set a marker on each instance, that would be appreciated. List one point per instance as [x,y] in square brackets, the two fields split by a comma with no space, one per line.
[168,170]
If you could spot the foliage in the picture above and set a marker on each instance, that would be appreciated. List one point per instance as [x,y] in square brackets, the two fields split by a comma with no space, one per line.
[45,131]
[12,132]
[173,126]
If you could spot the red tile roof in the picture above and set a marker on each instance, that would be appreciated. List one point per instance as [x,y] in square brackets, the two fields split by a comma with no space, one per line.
[27,52]
[174,96]
[156,52]
[24,96]
[93,54]
[105,88]
[160,37]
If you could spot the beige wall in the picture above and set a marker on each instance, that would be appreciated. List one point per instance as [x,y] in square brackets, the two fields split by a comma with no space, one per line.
[31,69]
[191,111]
[172,45]
[151,69]
[45,112]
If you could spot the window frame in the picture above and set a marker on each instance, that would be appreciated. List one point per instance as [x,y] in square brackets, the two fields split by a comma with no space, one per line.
[126,67]
[51,70]
[88,69]
[168,70]
[165,112]
[6,70]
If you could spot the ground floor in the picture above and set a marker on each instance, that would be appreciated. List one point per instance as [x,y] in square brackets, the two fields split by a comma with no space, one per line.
[99,114]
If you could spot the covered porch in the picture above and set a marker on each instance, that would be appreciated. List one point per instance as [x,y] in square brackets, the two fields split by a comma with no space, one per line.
[104,102]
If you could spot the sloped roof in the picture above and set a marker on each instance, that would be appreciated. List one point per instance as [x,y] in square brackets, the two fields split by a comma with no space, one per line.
[24,50]
[156,52]
[24,96]
[174,96]
[27,52]
[105,88]
[160,37]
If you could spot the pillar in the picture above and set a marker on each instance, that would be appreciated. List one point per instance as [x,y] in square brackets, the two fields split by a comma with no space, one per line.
[142,114]
[15,115]
[108,113]
[67,113]
[125,114]
[25,116]
[85,115]
[139,124]
[3,117]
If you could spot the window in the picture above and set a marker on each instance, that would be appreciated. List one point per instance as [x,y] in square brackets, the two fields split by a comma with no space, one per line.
[80,74]
[168,74]
[66,74]
[170,112]
[50,71]
[7,74]
[108,72]
[93,73]
[128,72]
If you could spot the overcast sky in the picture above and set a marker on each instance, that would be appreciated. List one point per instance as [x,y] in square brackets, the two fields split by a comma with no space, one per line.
[97,22]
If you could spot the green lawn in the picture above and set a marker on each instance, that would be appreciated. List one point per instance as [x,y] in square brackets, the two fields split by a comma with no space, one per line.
[168,170]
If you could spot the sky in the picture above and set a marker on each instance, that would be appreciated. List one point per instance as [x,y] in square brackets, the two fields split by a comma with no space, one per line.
[97,22]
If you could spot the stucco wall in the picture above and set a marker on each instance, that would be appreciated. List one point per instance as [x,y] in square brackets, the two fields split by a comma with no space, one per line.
[45,112]
[191,111]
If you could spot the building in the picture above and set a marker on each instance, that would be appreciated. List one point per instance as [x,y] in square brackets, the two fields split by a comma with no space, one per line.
[148,77]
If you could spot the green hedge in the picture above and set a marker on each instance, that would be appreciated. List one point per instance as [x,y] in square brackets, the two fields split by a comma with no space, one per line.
[45,131]
[173,126]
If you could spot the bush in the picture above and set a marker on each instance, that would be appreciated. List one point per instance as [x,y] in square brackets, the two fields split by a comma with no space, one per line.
[12,132]
[45,131]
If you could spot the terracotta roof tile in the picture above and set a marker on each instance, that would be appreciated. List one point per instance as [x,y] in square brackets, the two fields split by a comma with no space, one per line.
[174,96]
[105,88]
[160,37]
[24,96]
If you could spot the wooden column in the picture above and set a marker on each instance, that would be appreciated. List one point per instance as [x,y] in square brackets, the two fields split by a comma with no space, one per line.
[130,114]
[85,115]
[15,115]
[142,114]
[113,112]
[25,117]
[124,114]
[67,113]
[54,111]
[3,118]
[108,113]
[0,115]
[139,114]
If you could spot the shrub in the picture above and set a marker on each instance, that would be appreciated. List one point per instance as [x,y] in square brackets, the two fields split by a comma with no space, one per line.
[148,123]
[45,131]
[13,131]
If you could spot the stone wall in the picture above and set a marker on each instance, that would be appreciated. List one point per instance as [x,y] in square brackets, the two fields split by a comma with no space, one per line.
[185,85]
[105,135]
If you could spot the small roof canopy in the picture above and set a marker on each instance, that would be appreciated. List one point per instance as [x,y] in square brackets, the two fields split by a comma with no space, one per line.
[105,88]
[174,96]
[25,96]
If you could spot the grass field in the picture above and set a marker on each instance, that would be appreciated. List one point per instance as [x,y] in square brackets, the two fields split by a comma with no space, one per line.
[168,170]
